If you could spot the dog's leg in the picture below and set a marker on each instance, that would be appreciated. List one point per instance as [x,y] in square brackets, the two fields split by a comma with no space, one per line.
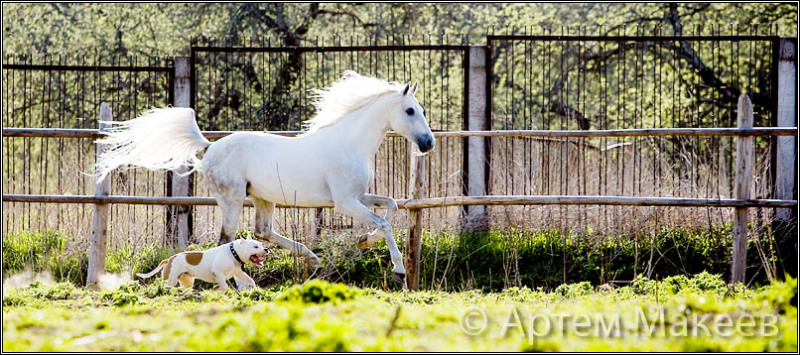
[172,280]
[222,282]
[244,281]
[186,280]
[171,272]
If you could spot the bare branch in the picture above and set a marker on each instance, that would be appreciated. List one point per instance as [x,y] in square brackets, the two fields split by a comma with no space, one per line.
[356,20]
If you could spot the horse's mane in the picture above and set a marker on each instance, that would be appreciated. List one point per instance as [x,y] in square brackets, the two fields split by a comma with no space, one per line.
[349,93]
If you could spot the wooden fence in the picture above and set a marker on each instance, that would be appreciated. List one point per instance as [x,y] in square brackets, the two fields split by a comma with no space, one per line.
[741,203]
[476,134]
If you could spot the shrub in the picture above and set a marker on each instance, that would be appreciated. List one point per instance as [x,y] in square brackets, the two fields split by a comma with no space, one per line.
[573,290]
[318,291]
[28,249]
[157,288]
[119,298]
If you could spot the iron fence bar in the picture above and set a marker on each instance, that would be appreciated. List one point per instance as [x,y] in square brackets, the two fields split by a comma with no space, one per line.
[444,47]
[626,38]
[86,68]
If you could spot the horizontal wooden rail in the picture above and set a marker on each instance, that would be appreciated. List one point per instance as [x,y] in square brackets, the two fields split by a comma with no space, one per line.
[497,200]
[492,200]
[646,132]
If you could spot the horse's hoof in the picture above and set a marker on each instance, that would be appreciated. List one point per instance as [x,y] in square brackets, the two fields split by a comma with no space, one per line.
[362,242]
[400,278]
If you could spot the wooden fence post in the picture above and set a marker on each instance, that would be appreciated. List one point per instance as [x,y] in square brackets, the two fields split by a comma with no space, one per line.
[179,217]
[786,173]
[102,187]
[414,242]
[744,173]
[476,153]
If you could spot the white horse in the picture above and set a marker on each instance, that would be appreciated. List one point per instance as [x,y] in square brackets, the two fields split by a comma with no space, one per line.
[328,165]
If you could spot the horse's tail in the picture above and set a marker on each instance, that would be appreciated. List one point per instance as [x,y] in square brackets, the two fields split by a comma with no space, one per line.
[157,269]
[162,138]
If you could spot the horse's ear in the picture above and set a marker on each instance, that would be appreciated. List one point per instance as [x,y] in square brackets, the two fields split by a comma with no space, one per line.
[414,89]
[405,89]
[249,237]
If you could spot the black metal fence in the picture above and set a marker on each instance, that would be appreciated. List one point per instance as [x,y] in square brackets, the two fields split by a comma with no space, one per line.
[66,92]
[575,81]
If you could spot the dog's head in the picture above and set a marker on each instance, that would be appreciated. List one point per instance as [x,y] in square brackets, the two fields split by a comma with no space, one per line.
[250,250]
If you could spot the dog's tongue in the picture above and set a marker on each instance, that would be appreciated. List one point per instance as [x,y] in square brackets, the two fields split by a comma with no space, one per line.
[256,260]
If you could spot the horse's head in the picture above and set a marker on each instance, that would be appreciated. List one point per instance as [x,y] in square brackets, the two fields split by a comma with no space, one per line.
[408,119]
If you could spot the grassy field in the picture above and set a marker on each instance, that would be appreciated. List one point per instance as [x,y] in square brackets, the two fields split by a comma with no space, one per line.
[449,262]
[699,313]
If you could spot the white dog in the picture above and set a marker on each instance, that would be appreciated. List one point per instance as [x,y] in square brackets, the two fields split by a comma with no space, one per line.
[215,265]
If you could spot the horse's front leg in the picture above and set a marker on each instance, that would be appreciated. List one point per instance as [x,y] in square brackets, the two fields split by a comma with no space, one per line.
[353,207]
[389,204]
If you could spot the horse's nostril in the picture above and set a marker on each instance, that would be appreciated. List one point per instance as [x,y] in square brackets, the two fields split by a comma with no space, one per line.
[425,144]
[428,144]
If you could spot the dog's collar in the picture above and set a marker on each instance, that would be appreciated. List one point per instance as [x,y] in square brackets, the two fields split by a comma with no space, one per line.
[236,255]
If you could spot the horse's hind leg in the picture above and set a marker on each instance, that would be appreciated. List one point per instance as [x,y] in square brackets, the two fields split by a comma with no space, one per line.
[230,199]
[264,211]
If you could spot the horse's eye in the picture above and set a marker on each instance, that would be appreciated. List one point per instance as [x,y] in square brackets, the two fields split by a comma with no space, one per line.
[410,111]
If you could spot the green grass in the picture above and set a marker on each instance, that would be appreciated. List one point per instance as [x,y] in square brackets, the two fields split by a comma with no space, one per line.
[322,316]
[488,261]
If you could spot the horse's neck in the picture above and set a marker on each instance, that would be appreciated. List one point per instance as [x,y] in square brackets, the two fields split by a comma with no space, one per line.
[362,132]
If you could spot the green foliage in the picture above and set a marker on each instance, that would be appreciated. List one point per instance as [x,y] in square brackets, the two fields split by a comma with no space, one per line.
[58,291]
[30,249]
[66,259]
[319,291]
[258,294]
[167,28]
[201,247]
[128,259]
[126,294]
[157,288]
[489,261]
[133,318]
[576,289]
[702,282]
[120,298]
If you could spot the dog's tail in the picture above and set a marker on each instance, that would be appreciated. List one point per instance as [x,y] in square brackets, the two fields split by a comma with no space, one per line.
[157,269]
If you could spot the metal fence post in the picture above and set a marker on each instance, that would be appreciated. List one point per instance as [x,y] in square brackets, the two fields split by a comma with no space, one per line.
[98,241]
[179,217]
[476,153]
[785,180]
[744,174]
[414,242]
